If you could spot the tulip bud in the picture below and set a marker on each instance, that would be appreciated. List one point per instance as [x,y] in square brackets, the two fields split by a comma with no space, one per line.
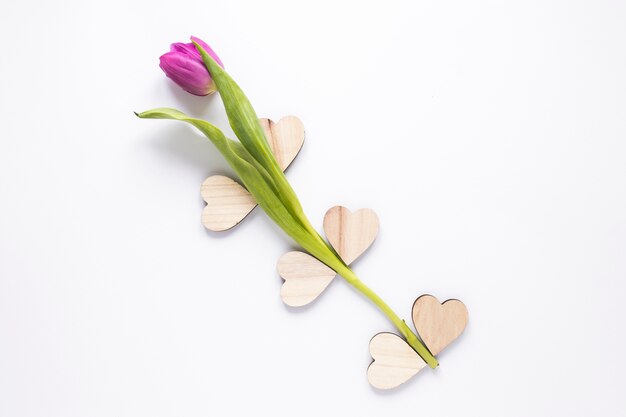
[183,65]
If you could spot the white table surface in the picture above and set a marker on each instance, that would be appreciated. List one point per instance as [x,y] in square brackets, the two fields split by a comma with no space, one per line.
[489,136]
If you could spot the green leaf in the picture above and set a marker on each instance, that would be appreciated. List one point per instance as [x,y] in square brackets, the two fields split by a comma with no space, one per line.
[245,123]
[256,180]
[241,115]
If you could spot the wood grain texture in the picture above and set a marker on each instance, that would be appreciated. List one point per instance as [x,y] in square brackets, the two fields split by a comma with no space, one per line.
[228,203]
[438,324]
[395,362]
[285,138]
[350,233]
[305,278]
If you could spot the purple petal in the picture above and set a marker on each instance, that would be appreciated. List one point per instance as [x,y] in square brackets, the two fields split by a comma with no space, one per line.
[188,73]
[185,48]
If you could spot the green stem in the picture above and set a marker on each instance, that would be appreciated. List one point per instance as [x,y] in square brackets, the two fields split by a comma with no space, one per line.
[331,258]
[417,345]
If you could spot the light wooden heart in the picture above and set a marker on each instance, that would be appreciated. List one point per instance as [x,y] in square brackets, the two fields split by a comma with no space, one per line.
[350,233]
[439,324]
[285,138]
[305,278]
[228,203]
[395,362]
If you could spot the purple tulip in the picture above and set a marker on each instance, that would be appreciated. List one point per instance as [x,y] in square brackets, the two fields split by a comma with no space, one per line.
[183,65]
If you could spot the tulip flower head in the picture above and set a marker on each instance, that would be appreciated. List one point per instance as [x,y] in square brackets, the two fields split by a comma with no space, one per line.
[183,65]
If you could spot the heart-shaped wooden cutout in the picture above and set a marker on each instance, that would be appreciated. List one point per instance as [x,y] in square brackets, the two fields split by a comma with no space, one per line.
[350,233]
[395,362]
[285,138]
[228,203]
[305,278]
[438,324]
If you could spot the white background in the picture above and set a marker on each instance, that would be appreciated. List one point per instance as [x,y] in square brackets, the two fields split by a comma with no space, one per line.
[489,136]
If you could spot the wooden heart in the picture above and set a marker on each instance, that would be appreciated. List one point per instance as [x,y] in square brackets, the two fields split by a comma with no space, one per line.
[228,203]
[285,138]
[305,278]
[395,362]
[438,324]
[350,233]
